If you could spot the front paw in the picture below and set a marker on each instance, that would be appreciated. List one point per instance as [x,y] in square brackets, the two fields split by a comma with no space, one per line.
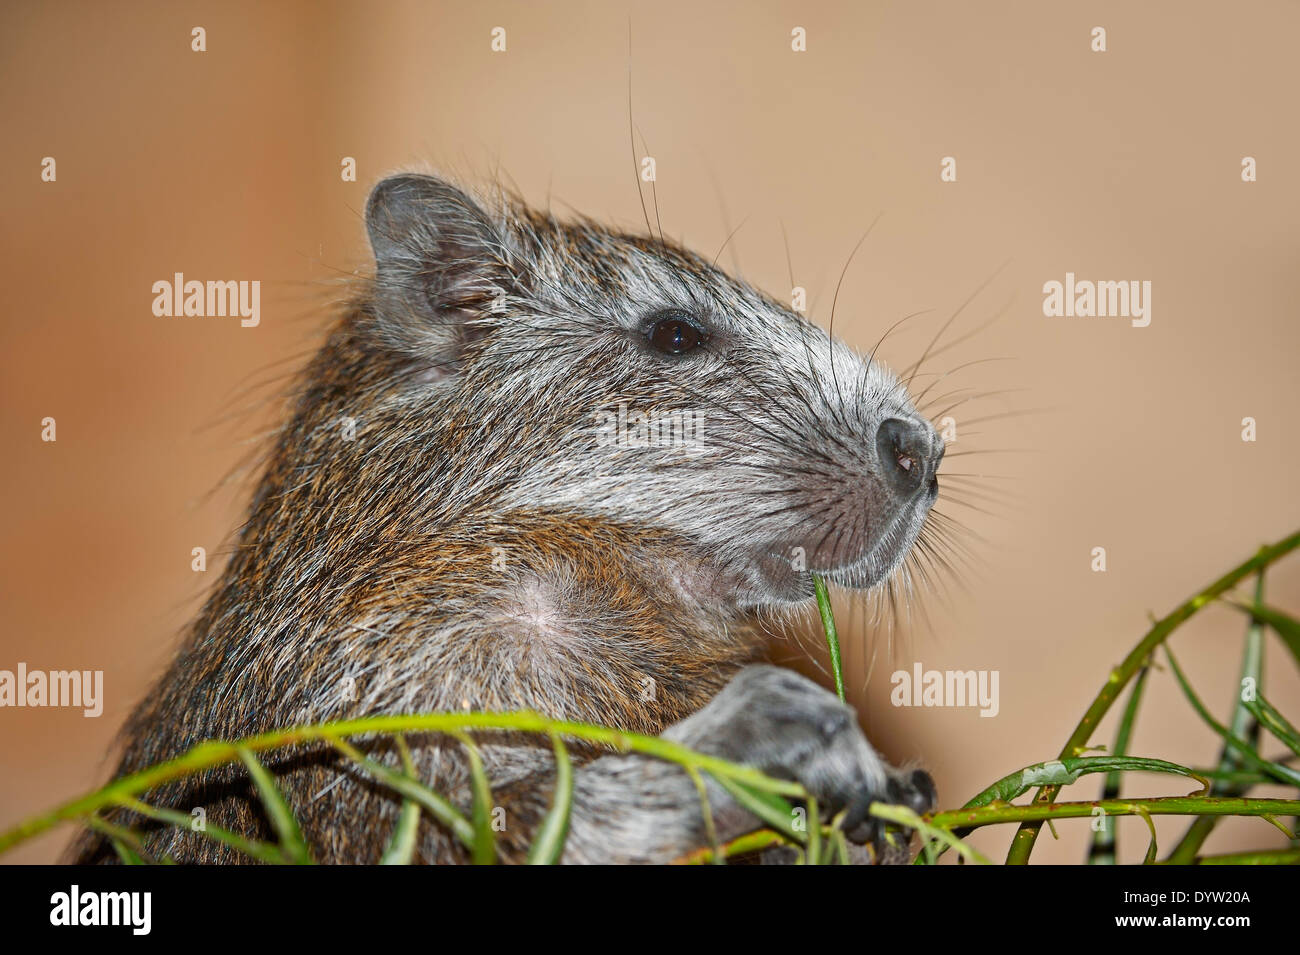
[791,728]
[912,789]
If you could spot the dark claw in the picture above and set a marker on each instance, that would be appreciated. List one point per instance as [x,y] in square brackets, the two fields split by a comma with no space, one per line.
[857,824]
[915,791]
[923,796]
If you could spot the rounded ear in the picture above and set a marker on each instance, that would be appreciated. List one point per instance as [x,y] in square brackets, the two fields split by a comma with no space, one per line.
[440,263]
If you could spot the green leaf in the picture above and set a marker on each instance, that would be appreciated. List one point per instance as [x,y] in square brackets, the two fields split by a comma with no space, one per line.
[548,842]
[1275,723]
[261,851]
[1247,752]
[1062,772]
[439,807]
[125,855]
[1022,844]
[771,808]
[902,816]
[814,834]
[483,850]
[1283,624]
[1241,726]
[1150,857]
[832,636]
[401,845]
[212,753]
[755,841]
[277,810]
[841,846]
[125,842]
[719,851]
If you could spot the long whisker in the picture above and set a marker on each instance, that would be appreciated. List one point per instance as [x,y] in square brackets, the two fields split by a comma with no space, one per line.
[939,334]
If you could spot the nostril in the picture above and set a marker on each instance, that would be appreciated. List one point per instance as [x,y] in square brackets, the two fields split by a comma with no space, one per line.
[904,450]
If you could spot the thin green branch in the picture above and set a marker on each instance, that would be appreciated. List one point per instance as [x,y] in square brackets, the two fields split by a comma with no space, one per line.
[254,849]
[1267,716]
[1157,806]
[277,809]
[483,848]
[750,842]
[548,842]
[1102,850]
[1023,843]
[1283,774]
[402,843]
[1265,857]
[216,753]
[1241,726]
[832,635]
[439,807]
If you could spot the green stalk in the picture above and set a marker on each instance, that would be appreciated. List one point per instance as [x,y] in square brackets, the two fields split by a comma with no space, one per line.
[1104,845]
[944,825]
[1246,752]
[1023,843]
[262,851]
[483,847]
[216,753]
[402,843]
[411,789]
[1267,716]
[832,637]
[1252,667]
[741,845]
[1263,857]
[292,843]
[548,842]
[1157,806]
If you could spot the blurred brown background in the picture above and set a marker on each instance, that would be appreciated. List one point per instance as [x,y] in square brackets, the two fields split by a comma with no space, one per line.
[1117,165]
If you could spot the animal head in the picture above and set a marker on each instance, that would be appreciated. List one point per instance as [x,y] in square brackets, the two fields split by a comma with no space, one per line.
[565,367]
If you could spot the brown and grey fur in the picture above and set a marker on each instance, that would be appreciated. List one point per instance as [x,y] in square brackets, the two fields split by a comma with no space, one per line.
[480,543]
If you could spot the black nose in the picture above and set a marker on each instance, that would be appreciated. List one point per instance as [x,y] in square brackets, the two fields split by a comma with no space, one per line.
[909,453]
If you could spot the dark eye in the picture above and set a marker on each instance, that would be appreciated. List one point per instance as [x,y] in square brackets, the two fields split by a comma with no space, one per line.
[674,332]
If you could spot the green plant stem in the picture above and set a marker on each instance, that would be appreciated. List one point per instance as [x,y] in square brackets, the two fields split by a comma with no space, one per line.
[927,829]
[262,851]
[1156,806]
[292,843]
[548,843]
[1267,716]
[216,753]
[1023,843]
[1002,813]
[1263,857]
[741,845]
[1280,773]
[1104,847]
[126,842]
[1252,665]
[1063,772]
[483,848]
[832,636]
